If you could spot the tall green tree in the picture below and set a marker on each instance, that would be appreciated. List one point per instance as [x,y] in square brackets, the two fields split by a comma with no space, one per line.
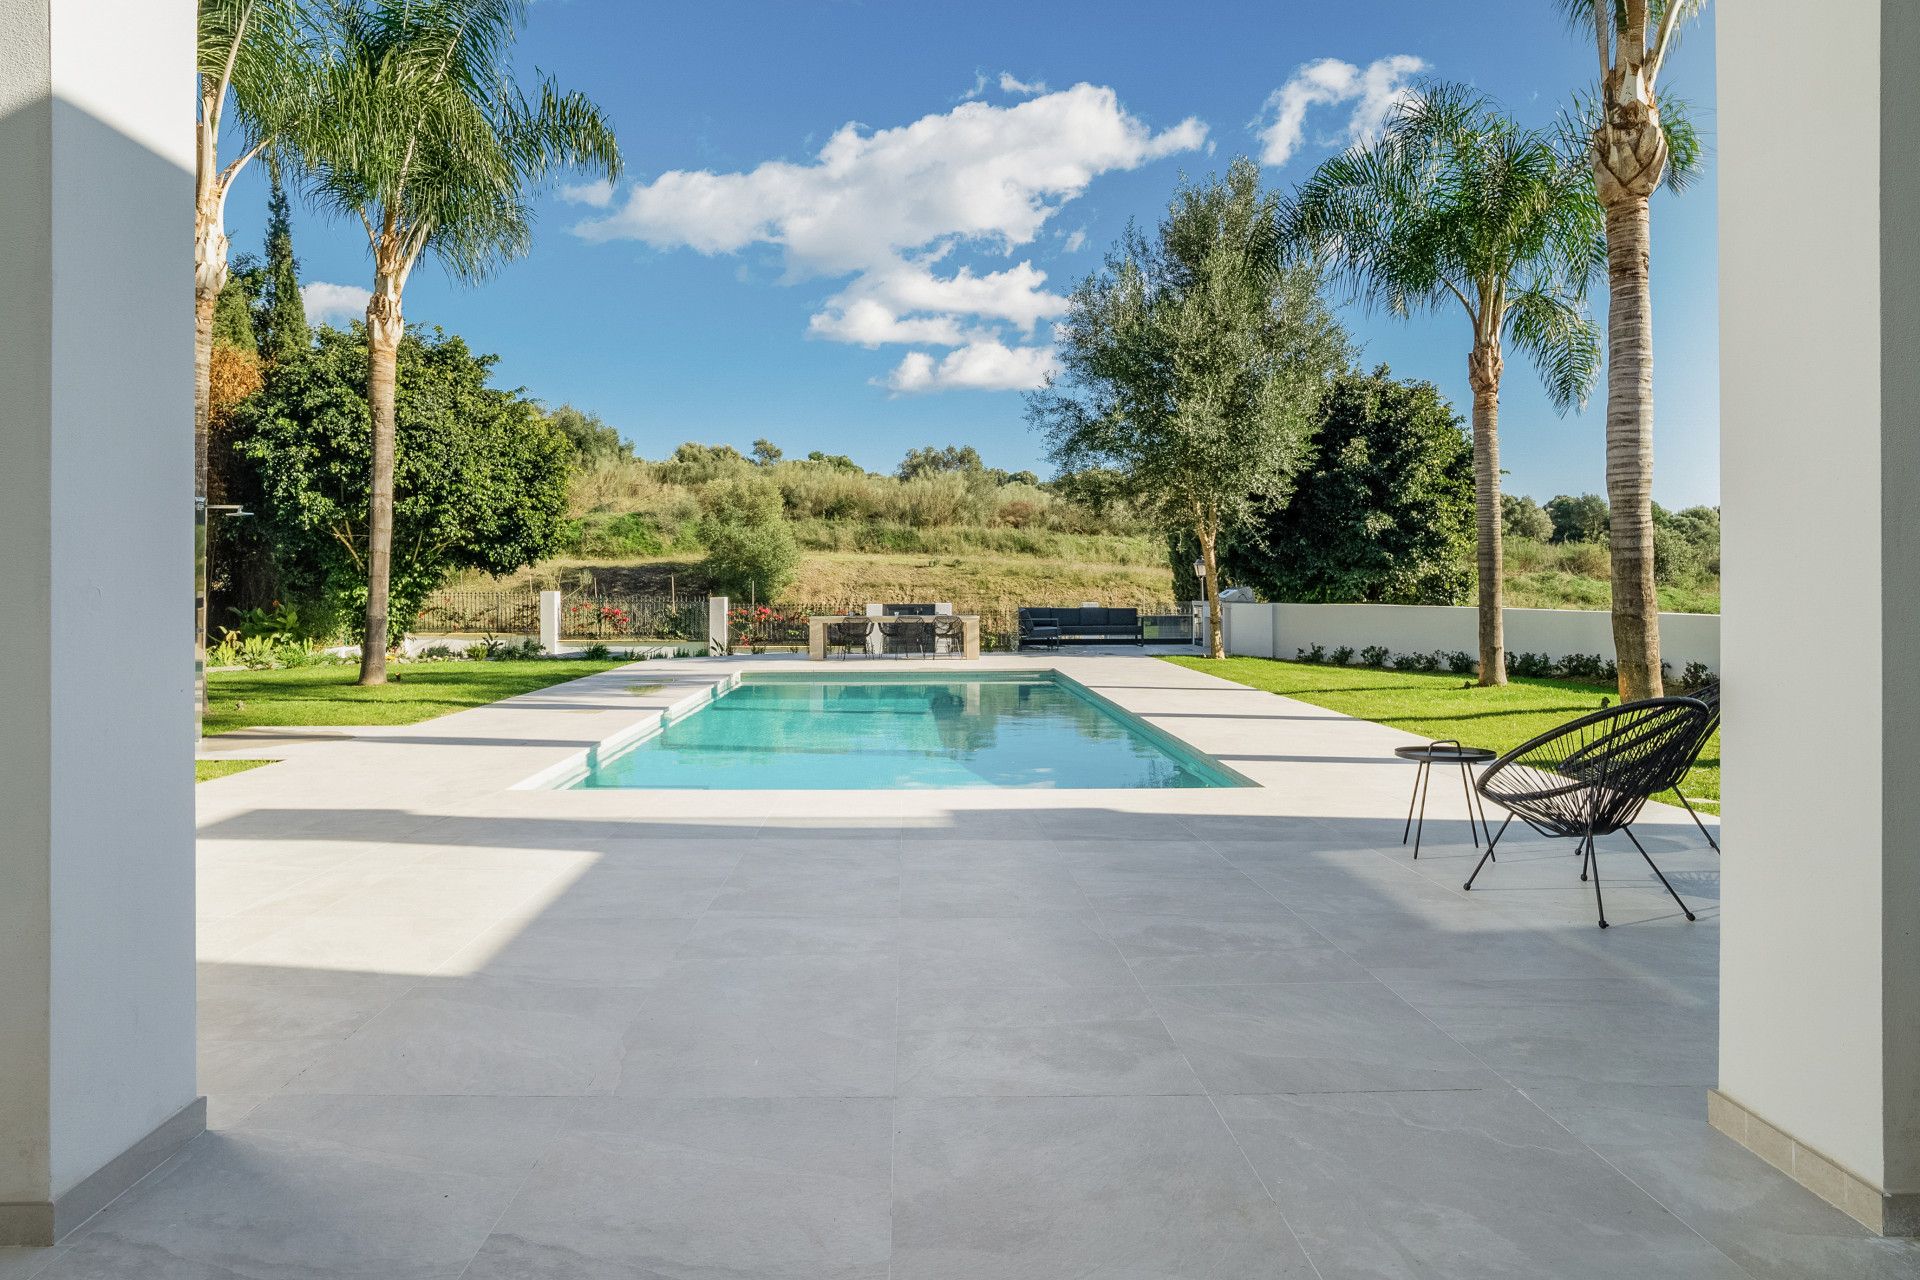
[282,317]
[1632,149]
[431,144]
[1455,203]
[482,475]
[1193,364]
[1383,515]
[255,82]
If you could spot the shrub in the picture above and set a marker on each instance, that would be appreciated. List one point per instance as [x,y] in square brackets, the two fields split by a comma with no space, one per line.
[1587,666]
[596,653]
[1342,656]
[438,653]
[1375,656]
[1418,662]
[1696,675]
[750,546]
[1531,666]
[1460,662]
[1314,653]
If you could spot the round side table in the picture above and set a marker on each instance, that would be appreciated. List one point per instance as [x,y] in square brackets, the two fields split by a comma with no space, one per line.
[1447,751]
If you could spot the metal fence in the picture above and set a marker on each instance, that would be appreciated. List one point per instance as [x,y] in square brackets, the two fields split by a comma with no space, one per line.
[479,613]
[674,617]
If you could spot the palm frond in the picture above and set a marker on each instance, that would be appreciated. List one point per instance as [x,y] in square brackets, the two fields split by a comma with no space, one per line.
[1560,339]
[431,142]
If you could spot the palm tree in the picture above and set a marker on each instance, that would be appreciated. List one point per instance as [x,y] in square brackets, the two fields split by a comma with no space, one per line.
[428,141]
[250,59]
[1456,203]
[1632,149]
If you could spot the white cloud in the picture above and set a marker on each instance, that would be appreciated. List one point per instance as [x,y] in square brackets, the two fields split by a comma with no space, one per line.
[1374,91]
[597,194]
[1075,238]
[1009,84]
[885,206]
[329,303]
[986,365]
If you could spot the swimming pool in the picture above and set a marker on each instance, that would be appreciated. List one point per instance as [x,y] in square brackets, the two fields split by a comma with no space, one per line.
[808,733]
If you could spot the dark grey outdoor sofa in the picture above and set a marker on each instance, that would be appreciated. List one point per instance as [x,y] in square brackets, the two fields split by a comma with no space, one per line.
[1047,626]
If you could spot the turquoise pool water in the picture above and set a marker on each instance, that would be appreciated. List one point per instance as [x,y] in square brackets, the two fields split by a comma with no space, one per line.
[883,734]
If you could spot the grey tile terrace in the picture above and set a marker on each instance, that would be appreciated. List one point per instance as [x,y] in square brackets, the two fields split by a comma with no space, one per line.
[453,1029]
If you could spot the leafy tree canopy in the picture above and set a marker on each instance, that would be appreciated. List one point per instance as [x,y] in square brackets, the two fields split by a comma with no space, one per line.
[1582,519]
[751,551]
[1383,515]
[695,463]
[1194,362]
[595,443]
[838,461]
[765,452]
[480,479]
[1522,517]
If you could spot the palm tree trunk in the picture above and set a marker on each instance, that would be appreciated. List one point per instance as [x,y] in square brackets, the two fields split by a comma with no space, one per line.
[1483,374]
[1216,643]
[384,330]
[1636,606]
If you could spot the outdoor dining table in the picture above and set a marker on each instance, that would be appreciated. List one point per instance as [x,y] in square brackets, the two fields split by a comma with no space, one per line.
[969,623]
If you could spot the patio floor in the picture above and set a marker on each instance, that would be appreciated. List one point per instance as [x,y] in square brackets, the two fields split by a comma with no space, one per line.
[452,1029]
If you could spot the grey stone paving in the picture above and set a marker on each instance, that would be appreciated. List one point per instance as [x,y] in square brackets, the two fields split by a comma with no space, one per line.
[450,1035]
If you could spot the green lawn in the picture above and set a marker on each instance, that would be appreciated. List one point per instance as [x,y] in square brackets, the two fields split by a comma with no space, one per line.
[1436,706]
[415,691]
[207,770]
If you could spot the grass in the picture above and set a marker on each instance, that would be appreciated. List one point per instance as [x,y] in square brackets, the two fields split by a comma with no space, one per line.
[1436,706]
[415,691]
[208,770]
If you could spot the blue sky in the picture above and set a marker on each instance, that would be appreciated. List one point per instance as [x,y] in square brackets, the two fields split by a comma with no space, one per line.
[846,226]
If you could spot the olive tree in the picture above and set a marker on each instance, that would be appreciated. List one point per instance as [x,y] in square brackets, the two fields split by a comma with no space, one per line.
[1193,365]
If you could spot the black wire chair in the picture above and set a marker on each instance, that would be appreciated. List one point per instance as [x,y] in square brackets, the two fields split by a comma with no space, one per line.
[949,636]
[1708,694]
[1591,777]
[849,637]
[904,639]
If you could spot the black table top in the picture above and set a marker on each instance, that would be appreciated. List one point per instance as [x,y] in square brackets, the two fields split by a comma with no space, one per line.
[1445,753]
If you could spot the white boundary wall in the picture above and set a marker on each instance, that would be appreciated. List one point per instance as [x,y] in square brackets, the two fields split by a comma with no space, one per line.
[1282,630]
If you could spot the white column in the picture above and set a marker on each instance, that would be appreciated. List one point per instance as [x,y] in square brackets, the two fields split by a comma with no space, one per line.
[550,621]
[96,520]
[1818,126]
[719,635]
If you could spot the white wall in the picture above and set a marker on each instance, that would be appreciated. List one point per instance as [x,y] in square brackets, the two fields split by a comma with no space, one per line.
[96,852]
[1819,299]
[1282,630]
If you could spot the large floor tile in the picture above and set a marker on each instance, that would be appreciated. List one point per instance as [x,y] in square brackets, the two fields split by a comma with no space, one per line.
[589,951]
[1183,950]
[1040,1188]
[398,1188]
[784,1026]
[1000,887]
[1311,1037]
[830,883]
[725,937]
[970,1041]
[693,1190]
[1035,951]
[1658,1136]
[484,1036]
[1225,894]
[1589,1029]
[1456,1185]
[262,1002]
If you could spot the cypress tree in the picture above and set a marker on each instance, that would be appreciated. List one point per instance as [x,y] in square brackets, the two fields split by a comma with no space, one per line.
[282,317]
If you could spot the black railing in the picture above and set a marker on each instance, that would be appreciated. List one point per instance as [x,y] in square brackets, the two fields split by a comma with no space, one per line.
[633,618]
[490,613]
